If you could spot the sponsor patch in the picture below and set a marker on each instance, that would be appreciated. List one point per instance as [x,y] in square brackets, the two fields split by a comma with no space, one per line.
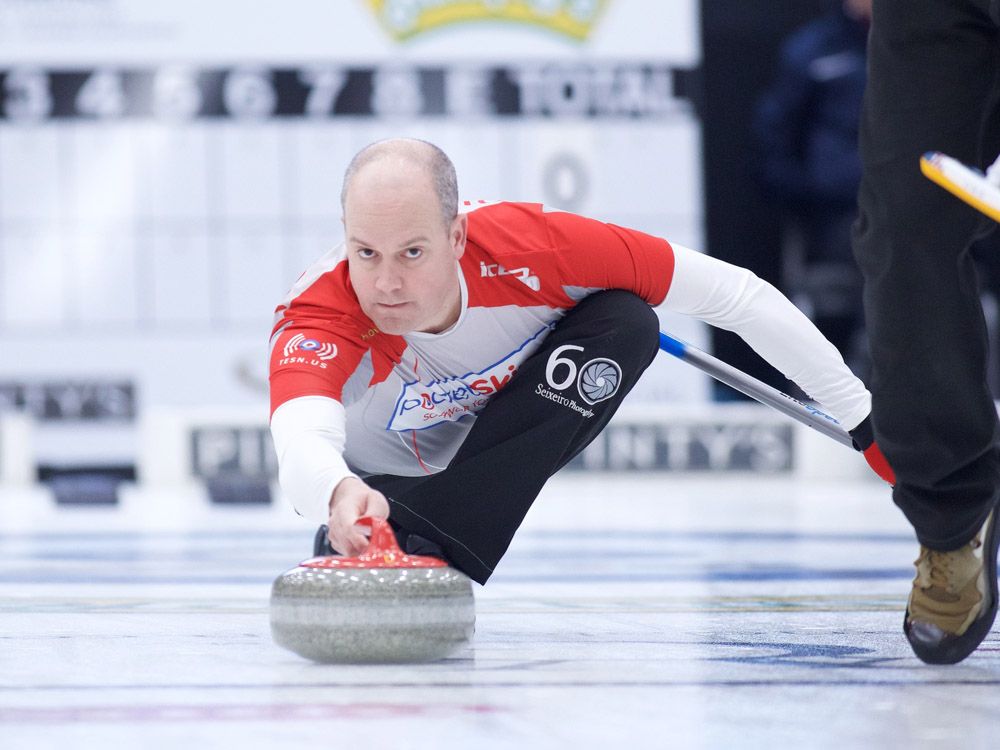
[524,275]
[569,403]
[299,350]
[421,405]
[319,349]
[599,380]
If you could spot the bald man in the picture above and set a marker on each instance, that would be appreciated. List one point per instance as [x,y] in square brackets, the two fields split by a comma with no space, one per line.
[439,366]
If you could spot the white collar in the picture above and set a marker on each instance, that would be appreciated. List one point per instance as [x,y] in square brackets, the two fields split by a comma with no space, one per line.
[461,313]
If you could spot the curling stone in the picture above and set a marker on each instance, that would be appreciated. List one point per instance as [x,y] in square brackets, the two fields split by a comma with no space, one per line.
[382,606]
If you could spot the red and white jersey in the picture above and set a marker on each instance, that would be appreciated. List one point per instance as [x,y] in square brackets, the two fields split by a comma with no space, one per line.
[410,400]
[403,404]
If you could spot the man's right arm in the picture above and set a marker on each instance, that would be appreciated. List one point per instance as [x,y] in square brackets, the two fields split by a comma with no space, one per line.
[309,437]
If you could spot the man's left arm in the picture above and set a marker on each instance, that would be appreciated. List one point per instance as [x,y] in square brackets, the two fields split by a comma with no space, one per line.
[735,299]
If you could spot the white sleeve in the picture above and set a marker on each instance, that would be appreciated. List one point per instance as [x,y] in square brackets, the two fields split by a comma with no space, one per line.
[309,436]
[735,299]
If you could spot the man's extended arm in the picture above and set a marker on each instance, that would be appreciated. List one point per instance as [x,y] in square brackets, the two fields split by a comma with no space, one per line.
[733,298]
[309,438]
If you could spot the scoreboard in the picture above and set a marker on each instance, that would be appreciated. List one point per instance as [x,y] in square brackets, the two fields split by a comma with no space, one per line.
[591,90]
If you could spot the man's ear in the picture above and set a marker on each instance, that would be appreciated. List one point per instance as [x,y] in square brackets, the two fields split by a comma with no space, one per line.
[458,234]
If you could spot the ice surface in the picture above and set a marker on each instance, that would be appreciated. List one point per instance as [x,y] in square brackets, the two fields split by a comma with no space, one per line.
[672,612]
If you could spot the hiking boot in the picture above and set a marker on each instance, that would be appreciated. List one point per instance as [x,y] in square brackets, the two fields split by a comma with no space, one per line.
[954,598]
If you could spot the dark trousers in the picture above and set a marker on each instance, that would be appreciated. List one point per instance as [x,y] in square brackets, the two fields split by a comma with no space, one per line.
[559,400]
[933,86]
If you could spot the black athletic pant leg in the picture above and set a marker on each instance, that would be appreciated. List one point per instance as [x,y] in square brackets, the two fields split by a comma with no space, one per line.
[933,70]
[556,404]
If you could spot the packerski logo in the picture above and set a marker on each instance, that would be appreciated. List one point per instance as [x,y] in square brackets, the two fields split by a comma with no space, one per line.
[524,275]
[318,349]
[423,404]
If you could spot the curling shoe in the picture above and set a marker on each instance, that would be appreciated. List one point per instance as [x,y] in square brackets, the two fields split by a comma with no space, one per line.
[954,598]
[321,543]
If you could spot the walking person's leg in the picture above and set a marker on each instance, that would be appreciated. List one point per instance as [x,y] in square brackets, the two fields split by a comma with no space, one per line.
[932,73]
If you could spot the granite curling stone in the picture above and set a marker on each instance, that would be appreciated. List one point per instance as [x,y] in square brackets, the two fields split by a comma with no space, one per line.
[382,606]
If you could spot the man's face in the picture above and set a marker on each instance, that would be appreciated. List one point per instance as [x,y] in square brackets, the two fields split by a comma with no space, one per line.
[400,254]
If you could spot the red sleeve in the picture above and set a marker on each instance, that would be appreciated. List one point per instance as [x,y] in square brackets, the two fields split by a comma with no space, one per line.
[563,250]
[593,254]
[312,358]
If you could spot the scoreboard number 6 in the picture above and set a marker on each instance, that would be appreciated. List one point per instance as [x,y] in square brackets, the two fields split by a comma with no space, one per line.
[102,95]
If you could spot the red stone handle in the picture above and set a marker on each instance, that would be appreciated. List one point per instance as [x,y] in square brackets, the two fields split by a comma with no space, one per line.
[382,552]
[382,542]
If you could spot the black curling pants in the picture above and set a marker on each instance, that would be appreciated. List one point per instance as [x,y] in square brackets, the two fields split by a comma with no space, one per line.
[933,85]
[559,400]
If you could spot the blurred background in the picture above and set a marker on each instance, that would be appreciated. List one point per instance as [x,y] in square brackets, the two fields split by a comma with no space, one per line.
[168,169]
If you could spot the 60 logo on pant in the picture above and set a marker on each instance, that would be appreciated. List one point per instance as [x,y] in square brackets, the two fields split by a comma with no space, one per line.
[596,380]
